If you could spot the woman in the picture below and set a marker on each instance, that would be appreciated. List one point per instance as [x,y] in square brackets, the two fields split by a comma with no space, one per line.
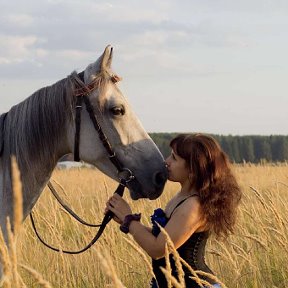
[206,204]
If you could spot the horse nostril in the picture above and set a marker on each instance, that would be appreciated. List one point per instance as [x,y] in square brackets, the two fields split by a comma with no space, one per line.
[159,179]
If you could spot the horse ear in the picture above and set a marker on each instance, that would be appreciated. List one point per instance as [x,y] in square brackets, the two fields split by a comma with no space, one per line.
[107,58]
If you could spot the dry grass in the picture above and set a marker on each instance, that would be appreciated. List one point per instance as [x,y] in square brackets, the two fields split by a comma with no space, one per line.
[8,252]
[256,256]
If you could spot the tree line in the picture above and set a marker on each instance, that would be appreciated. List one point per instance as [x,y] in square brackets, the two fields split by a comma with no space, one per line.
[252,148]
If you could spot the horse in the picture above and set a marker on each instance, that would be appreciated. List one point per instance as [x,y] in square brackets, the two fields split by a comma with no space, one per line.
[41,129]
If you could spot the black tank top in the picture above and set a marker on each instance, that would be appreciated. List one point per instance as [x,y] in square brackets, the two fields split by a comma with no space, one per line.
[192,251]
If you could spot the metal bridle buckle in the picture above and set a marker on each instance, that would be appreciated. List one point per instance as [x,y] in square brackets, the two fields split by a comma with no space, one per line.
[126,175]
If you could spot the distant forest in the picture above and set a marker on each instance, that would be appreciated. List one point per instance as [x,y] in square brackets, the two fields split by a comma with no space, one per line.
[254,149]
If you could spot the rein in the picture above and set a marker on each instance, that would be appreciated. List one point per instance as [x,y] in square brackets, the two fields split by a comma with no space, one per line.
[107,218]
[125,175]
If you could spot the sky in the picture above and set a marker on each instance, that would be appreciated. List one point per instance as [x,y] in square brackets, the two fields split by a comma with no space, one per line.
[212,66]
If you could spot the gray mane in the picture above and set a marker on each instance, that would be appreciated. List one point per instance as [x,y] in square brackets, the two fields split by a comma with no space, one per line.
[33,127]
[2,120]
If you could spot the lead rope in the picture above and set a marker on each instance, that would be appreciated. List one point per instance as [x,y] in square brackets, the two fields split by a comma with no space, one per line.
[107,218]
[67,208]
[78,108]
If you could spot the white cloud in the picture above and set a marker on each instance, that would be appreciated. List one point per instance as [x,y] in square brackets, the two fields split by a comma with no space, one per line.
[19,20]
[203,49]
[41,53]
[134,14]
[15,48]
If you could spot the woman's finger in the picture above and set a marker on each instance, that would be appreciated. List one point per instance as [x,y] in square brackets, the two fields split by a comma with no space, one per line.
[117,196]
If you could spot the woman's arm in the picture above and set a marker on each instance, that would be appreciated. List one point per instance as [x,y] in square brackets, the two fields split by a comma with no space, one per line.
[183,223]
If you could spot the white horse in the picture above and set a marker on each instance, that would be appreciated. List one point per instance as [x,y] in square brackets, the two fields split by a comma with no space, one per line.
[41,129]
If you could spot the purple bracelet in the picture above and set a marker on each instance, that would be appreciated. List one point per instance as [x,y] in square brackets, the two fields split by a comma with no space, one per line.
[127,221]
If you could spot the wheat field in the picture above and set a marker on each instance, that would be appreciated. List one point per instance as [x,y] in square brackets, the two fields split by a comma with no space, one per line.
[256,256]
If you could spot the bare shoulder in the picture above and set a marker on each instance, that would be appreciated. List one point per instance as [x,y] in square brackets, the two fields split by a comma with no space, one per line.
[185,220]
[190,207]
[192,202]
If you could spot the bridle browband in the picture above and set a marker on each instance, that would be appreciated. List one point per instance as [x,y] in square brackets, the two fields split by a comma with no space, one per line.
[125,175]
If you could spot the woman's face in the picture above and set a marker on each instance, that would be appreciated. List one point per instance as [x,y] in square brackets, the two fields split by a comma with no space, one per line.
[177,168]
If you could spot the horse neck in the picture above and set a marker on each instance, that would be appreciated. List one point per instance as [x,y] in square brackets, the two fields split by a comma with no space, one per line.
[35,132]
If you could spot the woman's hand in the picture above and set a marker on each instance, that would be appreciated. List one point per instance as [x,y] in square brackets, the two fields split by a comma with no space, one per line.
[119,207]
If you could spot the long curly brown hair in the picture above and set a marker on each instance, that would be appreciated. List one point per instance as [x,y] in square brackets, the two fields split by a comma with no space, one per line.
[212,178]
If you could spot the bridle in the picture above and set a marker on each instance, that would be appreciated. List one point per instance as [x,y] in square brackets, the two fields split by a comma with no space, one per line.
[124,174]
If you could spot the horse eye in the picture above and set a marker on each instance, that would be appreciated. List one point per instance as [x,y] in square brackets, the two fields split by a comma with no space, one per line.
[118,111]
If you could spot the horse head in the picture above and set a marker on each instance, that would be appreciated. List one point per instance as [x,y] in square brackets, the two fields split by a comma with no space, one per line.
[131,143]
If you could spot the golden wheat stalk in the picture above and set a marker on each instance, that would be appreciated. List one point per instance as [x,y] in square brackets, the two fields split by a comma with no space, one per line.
[142,254]
[212,277]
[11,277]
[260,198]
[280,220]
[195,277]
[37,276]
[5,282]
[171,278]
[168,264]
[13,254]
[108,267]
[176,256]
[257,240]
[178,261]
[6,265]
[17,196]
